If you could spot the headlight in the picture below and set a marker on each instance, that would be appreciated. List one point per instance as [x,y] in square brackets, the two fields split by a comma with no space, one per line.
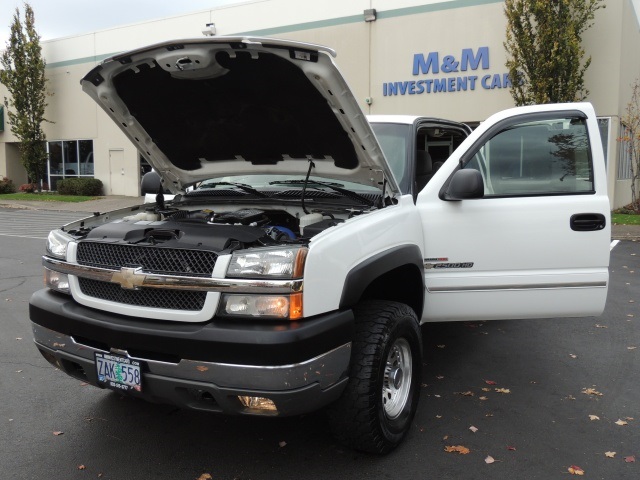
[57,242]
[56,281]
[266,306]
[275,262]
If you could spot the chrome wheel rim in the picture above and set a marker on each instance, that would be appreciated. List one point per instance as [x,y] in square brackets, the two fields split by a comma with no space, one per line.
[397,379]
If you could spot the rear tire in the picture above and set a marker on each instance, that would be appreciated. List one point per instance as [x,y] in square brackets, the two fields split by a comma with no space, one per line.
[375,411]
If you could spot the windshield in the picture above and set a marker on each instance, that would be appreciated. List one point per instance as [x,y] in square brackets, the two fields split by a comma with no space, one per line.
[395,141]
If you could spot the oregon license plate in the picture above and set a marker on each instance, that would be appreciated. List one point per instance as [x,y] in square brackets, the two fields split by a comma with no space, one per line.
[119,373]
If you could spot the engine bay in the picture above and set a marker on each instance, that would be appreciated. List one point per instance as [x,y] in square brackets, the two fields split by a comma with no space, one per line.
[222,231]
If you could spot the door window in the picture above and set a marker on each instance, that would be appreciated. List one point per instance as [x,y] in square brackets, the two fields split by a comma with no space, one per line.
[543,157]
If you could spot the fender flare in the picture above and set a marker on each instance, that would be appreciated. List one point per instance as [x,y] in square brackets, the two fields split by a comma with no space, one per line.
[361,276]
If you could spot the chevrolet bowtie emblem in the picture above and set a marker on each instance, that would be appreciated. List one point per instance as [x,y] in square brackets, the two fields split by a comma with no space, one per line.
[129,278]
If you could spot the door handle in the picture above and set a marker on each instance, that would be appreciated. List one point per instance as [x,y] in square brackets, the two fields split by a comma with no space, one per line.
[587,222]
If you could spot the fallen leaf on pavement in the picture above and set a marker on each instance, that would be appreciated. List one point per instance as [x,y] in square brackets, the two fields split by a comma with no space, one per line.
[484,398]
[591,391]
[609,454]
[282,444]
[81,467]
[594,417]
[468,393]
[630,459]
[439,377]
[620,422]
[513,449]
[601,326]
[205,476]
[457,449]
[503,390]
[486,389]
[438,416]
[631,348]
[573,355]
[440,346]
[490,382]
[473,429]
[57,434]
[575,470]
[489,459]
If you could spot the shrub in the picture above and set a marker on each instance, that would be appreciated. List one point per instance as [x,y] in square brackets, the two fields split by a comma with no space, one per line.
[32,187]
[627,210]
[89,187]
[7,186]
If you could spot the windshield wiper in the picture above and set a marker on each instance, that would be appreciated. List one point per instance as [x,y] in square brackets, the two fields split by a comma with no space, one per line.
[241,186]
[336,187]
[302,182]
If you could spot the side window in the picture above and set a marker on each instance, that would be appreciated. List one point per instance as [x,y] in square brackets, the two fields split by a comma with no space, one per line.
[549,157]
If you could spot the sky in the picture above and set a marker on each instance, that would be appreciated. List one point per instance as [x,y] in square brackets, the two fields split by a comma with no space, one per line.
[62,18]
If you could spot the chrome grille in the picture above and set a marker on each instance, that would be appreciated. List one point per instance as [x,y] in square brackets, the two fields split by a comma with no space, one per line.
[167,261]
[145,297]
[164,261]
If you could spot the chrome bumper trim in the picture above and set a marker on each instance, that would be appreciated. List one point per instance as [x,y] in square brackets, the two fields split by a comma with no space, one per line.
[325,369]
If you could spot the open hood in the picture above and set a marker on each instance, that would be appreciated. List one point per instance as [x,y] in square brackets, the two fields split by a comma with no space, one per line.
[221,106]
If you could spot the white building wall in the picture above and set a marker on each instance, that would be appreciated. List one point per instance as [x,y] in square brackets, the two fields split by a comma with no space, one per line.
[370,54]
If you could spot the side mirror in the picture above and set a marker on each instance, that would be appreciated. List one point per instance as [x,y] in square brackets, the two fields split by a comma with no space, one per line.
[150,183]
[465,185]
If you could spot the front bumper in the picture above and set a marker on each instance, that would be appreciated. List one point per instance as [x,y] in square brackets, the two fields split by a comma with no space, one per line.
[300,366]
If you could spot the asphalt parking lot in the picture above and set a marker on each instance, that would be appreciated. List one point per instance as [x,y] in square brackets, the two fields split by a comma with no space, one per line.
[542,396]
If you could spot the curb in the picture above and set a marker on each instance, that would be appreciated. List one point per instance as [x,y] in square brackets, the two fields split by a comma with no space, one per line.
[618,232]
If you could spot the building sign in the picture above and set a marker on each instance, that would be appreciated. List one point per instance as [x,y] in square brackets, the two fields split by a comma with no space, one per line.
[449,73]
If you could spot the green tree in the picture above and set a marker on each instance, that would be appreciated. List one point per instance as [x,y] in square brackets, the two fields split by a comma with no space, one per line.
[630,141]
[544,49]
[23,75]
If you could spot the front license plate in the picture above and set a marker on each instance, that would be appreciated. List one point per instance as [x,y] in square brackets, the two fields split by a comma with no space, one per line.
[119,373]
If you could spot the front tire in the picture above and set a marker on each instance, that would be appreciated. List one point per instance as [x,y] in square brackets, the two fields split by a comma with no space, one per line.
[375,411]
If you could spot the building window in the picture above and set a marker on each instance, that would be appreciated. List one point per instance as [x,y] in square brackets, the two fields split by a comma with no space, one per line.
[624,154]
[69,158]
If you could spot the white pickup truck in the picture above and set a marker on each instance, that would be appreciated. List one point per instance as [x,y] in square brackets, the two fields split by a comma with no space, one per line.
[297,273]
